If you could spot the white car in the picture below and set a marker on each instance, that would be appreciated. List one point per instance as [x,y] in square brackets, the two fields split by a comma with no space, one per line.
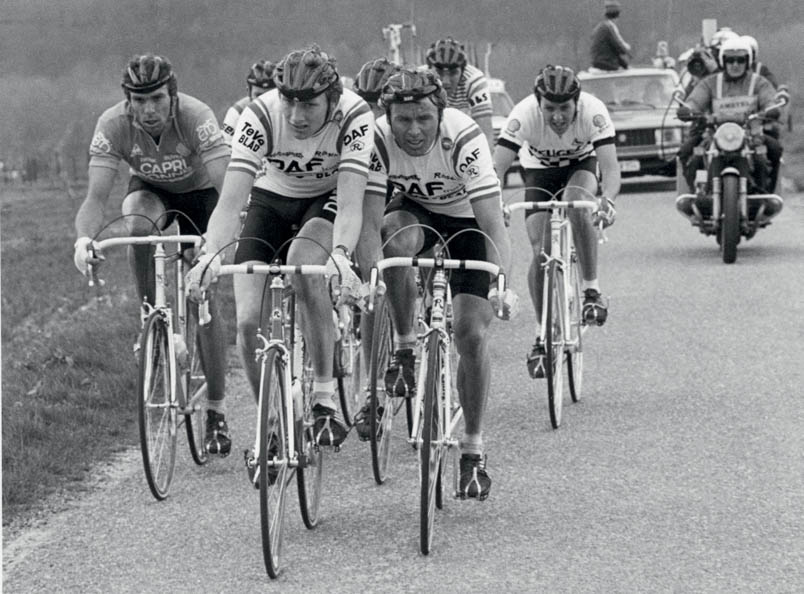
[648,134]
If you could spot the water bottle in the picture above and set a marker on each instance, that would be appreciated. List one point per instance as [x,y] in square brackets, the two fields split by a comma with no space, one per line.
[182,356]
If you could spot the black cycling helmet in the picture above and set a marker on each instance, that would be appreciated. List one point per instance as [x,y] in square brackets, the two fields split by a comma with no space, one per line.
[261,75]
[305,74]
[446,53]
[407,86]
[147,73]
[557,84]
[372,78]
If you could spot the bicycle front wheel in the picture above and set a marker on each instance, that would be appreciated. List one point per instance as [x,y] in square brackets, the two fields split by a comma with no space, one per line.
[430,458]
[195,383]
[274,459]
[309,474]
[157,407]
[382,407]
[576,325]
[554,343]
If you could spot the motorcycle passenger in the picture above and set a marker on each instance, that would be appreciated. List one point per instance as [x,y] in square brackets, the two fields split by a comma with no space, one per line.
[260,78]
[609,51]
[565,134]
[733,94]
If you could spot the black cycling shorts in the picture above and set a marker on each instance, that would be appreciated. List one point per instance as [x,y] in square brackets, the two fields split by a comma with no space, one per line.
[466,246]
[276,219]
[553,179]
[191,209]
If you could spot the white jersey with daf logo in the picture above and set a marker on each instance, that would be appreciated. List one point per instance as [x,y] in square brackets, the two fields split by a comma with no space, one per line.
[527,129]
[454,173]
[301,168]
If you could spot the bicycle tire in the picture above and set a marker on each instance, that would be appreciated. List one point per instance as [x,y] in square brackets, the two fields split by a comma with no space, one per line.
[195,386]
[310,472]
[347,367]
[575,353]
[381,405]
[554,344]
[273,479]
[156,404]
[431,444]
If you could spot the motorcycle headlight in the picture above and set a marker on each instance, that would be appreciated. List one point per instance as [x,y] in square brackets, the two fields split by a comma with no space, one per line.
[729,136]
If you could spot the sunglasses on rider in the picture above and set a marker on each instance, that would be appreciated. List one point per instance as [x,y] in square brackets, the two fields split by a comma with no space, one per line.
[735,60]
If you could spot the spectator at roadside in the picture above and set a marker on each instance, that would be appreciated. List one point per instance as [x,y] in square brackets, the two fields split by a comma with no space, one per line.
[609,50]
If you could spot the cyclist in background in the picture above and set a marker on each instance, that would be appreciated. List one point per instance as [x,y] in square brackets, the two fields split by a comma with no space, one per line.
[466,86]
[177,158]
[438,160]
[260,78]
[566,134]
[317,139]
[371,79]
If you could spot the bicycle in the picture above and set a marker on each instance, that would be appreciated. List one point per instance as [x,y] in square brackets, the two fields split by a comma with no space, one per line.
[436,409]
[285,443]
[171,385]
[562,321]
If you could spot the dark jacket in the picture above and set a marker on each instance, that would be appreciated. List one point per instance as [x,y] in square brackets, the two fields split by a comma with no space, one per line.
[609,50]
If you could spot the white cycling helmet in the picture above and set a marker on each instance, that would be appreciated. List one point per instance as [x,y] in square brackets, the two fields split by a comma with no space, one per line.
[735,47]
[754,46]
[722,35]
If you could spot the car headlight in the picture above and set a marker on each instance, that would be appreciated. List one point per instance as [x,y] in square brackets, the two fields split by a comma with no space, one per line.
[729,136]
[665,136]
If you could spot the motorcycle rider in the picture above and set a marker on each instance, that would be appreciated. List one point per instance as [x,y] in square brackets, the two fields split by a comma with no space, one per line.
[733,94]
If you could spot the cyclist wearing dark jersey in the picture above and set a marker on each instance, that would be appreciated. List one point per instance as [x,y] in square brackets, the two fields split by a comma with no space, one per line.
[177,159]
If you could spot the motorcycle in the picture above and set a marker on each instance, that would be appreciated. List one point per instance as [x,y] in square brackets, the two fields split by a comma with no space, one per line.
[730,200]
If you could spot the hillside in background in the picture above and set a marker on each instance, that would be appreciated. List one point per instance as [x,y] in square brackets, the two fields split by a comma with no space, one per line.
[62,61]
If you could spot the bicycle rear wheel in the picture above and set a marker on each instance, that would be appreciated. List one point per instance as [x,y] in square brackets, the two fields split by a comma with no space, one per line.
[195,383]
[554,343]
[157,407]
[430,453]
[576,325]
[274,459]
[382,407]
[310,472]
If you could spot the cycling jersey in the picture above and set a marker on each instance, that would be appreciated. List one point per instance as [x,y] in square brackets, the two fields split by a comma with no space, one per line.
[527,128]
[472,94]
[177,163]
[453,174]
[308,167]
[231,117]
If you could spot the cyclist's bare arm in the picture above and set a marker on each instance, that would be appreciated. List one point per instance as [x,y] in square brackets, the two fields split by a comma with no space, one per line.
[224,223]
[351,187]
[609,170]
[369,248]
[216,170]
[89,218]
[487,128]
[490,220]
[503,157]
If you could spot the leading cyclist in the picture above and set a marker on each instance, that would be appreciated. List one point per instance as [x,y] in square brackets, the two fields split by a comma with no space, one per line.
[440,163]
[177,158]
[566,134]
[317,138]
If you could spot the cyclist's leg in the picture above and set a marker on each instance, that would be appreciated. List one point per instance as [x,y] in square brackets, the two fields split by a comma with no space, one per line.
[146,205]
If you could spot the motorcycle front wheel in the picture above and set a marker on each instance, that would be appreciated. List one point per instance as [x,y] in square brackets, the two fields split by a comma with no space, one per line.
[730,224]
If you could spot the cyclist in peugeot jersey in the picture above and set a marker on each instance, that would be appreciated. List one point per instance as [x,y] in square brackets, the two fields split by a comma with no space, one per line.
[317,138]
[566,134]
[466,86]
[440,163]
[260,78]
[177,159]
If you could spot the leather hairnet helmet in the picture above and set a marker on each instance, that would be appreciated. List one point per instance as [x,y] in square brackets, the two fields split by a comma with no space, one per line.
[261,74]
[372,78]
[148,72]
[446,53]
[557,84]
[305,74]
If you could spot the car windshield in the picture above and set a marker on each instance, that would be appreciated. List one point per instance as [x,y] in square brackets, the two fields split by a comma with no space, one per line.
[501,104]
[632,92]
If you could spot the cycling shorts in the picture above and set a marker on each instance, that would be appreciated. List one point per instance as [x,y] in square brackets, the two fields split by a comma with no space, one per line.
[191,209]
[276,219]
[466,246]
[553,179]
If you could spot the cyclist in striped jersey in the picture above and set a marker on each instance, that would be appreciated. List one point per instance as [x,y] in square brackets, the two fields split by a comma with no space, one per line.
[260,79]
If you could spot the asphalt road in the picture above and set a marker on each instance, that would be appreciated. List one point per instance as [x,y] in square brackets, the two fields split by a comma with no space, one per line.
[681,469]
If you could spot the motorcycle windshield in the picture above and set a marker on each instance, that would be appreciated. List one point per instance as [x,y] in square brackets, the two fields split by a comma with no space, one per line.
[734,109]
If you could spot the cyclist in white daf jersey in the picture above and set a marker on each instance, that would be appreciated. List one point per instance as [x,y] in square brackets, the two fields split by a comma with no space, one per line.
[565,135]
